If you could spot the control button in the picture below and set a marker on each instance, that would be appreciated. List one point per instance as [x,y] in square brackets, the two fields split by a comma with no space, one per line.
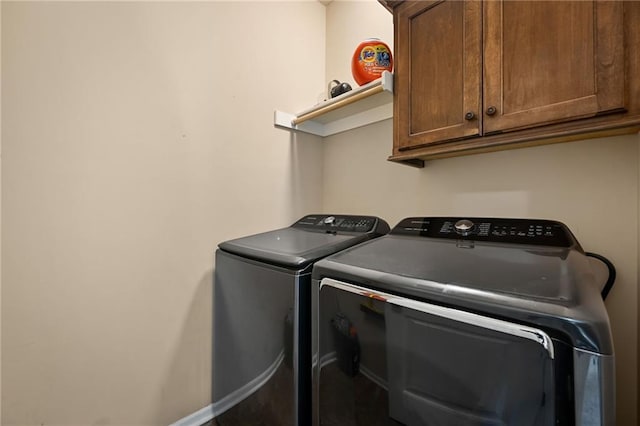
[329,220]
[446,228]
[464,227]
[363,225]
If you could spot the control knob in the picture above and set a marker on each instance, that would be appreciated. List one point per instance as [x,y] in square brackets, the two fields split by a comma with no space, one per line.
[464,227]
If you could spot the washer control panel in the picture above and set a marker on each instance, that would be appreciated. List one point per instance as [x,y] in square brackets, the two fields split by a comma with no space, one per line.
[515,231]
[337,223]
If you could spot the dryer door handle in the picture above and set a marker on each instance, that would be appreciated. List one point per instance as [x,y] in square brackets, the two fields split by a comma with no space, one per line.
[465,317]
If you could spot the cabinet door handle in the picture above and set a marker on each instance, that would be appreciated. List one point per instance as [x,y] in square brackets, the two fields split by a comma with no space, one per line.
[469,116]
[491,110]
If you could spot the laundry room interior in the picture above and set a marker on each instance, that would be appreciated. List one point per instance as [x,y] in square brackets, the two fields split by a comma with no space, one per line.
[137,136]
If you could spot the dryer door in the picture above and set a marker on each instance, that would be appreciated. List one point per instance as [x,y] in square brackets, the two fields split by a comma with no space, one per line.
[388,360]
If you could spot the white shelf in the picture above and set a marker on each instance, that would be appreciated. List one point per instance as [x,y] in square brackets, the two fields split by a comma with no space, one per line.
[364,105]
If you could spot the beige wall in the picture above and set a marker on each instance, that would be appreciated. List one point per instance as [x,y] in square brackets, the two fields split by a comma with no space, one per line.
[591,185]
[136,136]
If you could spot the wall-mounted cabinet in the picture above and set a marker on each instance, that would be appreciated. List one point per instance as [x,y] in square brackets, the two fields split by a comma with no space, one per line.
[478,76]
[367,104]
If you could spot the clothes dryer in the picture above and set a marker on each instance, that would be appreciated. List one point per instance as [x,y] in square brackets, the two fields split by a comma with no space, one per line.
[467,322]
[262,319]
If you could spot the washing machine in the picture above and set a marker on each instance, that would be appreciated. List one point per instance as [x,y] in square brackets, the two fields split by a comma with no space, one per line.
[262,319]
[466,322]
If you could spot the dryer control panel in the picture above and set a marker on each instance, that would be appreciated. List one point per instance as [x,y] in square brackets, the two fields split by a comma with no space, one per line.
[338,223]
[514,231]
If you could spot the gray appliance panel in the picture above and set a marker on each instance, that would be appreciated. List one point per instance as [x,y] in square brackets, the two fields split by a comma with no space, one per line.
[494,378]
[547,286]
[291,247]
[251,303]
[474,375]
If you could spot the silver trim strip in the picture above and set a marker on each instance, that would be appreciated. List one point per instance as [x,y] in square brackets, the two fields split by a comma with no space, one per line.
[513,329]
[594,384]
[296,344]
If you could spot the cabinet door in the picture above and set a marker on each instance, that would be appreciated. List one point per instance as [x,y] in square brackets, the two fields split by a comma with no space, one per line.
[548,62]
[438,50]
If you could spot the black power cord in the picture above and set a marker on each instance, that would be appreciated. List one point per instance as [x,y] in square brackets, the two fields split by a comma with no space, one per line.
[612,273]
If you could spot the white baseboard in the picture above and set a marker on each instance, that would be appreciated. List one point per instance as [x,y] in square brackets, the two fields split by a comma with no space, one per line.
[209,412]
[198,418]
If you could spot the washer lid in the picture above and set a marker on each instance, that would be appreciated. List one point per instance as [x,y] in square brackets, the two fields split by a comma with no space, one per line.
[547,274]
[551,286]
[309,239]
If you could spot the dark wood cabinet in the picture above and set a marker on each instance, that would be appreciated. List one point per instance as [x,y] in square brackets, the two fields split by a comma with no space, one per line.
[474,76]
[437,72]
[551,61]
